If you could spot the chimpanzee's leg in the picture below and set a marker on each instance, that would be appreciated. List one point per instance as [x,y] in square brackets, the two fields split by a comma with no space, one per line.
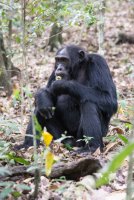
[52,125]
[90,125]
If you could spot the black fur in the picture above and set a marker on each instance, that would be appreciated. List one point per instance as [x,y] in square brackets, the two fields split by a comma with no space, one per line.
[85,99]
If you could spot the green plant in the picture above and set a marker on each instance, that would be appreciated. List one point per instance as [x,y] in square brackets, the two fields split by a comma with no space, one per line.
[12,188]
[115,164]
[85,139]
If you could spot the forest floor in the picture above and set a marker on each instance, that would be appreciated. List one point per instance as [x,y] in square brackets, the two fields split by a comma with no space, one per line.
[119,17]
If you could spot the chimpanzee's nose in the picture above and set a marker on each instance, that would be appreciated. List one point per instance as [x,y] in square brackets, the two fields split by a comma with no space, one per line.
[60,67]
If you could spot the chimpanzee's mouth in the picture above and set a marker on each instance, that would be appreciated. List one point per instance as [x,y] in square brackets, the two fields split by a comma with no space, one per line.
[58,78]
[61,76]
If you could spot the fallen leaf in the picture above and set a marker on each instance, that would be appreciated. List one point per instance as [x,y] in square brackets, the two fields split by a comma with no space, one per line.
[110,146]
[97,152]
[118,130]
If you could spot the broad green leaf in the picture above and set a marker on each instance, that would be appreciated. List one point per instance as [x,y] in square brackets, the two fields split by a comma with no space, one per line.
[8,126]
[6,184]
[123,138]
[21,161]
[37,125]
[23,187]
[32,168]
[115,164]
[4,171]
[5,192]
[18,159]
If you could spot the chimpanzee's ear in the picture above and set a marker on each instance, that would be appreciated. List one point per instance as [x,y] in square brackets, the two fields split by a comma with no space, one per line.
[81,55]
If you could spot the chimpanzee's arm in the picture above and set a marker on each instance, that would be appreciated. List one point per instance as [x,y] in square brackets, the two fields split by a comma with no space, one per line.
[45,100]
[51,79]
[44,103]
[106,100]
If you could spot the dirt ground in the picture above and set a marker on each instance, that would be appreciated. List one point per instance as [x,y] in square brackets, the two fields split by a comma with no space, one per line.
[119,17]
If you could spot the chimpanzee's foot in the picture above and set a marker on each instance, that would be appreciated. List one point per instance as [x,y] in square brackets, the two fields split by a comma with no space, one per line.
[21,146]
[81,151]
[27,143]
[86,150]
[69,141]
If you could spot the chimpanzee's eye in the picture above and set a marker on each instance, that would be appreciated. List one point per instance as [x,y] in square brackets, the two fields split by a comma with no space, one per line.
[63,60]
[57,59]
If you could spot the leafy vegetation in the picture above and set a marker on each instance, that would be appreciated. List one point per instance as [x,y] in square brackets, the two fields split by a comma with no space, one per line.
[26,27]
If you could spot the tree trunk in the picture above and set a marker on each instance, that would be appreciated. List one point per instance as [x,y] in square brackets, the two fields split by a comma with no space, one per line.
[100,26]
[4,80]
[72,170]
[5,62]
[55,37]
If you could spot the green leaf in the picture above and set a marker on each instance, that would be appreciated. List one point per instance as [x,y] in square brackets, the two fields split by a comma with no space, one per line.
[27,92]
[111,138]
[18,39]
[23,187]
[115,164]
[4,171]
[37,125]
[8,126]
[22,161]
[5,192]
[129,126]
[18,159]
[123,138]
[6,184]
[16,94]
[68,147]
[16,194]
[32,168]
[123,103]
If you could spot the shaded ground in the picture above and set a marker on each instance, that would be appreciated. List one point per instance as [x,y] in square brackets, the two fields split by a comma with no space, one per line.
[119,17]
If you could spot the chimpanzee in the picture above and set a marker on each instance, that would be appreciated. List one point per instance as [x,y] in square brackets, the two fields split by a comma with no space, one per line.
[84,96]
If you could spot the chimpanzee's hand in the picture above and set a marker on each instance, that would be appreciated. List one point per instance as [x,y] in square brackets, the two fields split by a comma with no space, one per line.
[60,87]
[44,103]
[46,112]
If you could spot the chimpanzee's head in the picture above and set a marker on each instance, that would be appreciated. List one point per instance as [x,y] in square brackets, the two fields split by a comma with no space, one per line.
[68,61]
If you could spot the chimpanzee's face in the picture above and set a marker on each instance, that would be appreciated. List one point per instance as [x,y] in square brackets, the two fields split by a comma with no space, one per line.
[68,61]
[62,65]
